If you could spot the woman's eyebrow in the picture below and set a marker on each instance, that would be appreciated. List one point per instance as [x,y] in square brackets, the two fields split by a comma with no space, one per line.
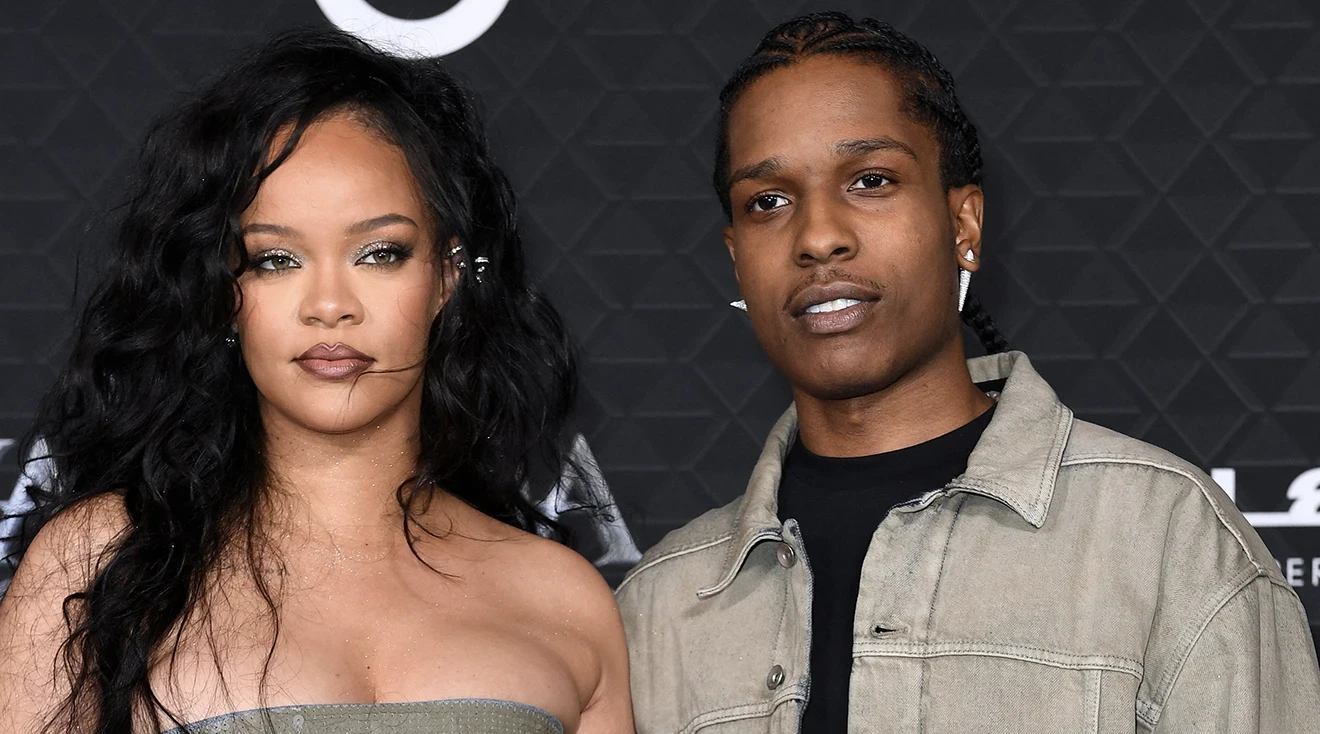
[374,223]
[275,229]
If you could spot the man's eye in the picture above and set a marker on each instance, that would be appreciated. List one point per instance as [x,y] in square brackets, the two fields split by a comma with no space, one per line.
[870,181]
[766,202]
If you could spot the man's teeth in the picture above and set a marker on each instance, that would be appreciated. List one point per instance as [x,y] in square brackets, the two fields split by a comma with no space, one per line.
[837,304]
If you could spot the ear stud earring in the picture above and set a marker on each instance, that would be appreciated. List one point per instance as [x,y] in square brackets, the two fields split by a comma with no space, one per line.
[481,262]
[740,305]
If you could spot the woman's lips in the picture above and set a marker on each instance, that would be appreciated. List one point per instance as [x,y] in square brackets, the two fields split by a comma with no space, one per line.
[334,369]
[339,362]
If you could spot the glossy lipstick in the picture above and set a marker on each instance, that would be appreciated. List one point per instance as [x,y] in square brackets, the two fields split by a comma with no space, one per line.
[340,362]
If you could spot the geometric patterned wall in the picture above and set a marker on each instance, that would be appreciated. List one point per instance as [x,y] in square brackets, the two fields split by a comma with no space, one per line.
[1153,212]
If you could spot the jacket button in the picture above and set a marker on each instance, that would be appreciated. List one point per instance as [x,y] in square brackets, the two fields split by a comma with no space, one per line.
[786,555]
[775,678]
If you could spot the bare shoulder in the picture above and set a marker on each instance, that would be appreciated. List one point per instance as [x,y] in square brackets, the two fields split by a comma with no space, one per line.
[67,551]
[564,592]
[553,590]
[539,575]
[61,561]
[557,581]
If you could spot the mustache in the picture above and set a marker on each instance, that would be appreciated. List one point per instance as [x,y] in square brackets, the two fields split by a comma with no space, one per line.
[831,275]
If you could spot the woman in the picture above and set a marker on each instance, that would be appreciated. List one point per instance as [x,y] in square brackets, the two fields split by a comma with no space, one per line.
[291,438]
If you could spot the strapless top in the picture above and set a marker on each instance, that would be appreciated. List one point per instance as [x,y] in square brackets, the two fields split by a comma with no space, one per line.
[454,716]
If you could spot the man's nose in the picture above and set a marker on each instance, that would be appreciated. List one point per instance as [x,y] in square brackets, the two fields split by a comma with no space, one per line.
[822,234]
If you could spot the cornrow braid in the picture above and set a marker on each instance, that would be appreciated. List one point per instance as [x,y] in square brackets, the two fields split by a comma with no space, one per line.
[975,316]
[927,85]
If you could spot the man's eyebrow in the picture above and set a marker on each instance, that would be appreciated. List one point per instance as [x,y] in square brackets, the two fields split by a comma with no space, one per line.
[862,146]
[764,169]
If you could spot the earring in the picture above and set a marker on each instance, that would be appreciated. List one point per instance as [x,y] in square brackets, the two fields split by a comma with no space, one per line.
[231,340]
[740,305]
[964,280]
[481,267]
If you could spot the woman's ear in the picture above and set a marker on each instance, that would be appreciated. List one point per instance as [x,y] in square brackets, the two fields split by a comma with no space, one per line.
[450,269]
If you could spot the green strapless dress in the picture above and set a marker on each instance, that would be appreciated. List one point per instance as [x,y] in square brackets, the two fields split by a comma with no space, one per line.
[457,716]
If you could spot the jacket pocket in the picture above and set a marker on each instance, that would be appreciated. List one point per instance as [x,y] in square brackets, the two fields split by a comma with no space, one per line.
[991,689]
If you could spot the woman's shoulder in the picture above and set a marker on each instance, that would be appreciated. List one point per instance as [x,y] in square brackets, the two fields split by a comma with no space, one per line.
[560,592]
[61,561]
[552,578]
[71,545]
[539,572]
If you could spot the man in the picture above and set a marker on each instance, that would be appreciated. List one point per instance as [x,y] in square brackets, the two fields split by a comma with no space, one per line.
[929,544]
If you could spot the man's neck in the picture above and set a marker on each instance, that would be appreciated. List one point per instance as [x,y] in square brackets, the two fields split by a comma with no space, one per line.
[924,403]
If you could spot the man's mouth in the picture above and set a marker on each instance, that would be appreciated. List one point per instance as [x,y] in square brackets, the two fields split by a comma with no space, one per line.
[837,304]
[834,307]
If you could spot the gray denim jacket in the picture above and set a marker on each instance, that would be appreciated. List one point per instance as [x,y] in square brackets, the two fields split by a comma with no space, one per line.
[1072,580]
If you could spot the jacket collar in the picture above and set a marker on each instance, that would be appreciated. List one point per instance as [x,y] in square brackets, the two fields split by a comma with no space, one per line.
[1016,461]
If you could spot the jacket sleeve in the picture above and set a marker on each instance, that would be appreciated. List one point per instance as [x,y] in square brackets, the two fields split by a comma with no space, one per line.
[1252,668]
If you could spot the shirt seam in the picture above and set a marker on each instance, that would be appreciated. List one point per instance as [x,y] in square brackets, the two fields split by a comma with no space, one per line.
[1150,710]
[1039,655]
[743,710]
[930,614]
[783,613]
[1045,491]
[681,551]
[1205,491]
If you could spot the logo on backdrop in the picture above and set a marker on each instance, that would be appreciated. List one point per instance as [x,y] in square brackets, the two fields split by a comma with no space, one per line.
[435,36]
[1304,491]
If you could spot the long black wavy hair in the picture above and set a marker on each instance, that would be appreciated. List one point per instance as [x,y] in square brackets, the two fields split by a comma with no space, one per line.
[153,406]
[928,86]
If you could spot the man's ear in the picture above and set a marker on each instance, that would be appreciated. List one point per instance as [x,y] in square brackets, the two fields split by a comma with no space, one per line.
[967,209]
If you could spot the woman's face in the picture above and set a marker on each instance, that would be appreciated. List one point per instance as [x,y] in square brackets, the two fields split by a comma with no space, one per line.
[343,283]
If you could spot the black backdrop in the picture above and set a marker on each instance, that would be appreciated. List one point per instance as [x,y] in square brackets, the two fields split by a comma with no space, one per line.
[1153,207]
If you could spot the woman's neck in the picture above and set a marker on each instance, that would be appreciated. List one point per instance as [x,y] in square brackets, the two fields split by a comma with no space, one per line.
[344,484]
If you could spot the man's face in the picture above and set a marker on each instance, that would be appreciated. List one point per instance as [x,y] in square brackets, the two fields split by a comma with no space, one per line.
[845,243]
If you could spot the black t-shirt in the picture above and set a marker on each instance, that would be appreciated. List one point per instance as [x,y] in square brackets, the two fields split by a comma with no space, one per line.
[838,503]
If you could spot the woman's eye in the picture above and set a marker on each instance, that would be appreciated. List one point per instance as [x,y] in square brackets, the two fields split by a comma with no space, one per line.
[380,257]
[384,256]
[870,181]
[276,261]
[766,202]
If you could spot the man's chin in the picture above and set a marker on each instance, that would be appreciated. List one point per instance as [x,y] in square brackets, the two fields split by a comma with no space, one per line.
[838,387]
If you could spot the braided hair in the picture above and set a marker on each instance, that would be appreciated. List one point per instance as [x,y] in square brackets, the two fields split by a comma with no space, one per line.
[930,100]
